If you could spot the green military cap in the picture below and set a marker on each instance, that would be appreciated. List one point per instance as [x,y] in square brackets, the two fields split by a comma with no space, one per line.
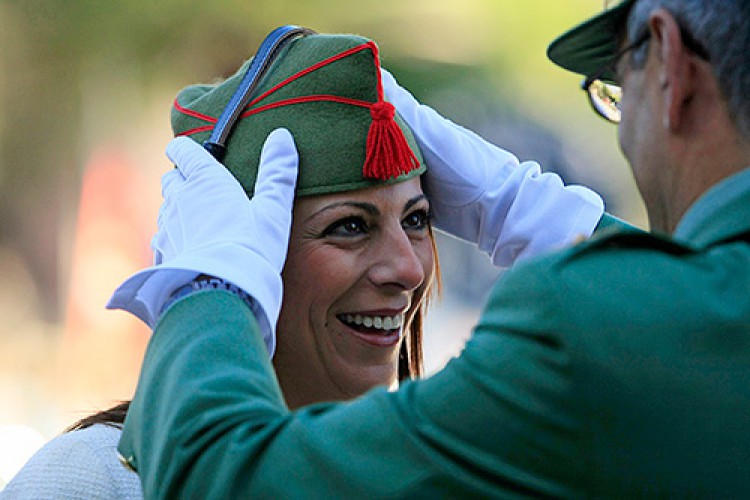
[592,44]
[327,90]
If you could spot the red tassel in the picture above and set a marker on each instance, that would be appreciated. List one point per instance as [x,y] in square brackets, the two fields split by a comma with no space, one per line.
[388,153]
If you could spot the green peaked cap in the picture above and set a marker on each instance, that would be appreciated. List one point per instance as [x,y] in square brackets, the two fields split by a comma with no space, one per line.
[326,90]
[589,46]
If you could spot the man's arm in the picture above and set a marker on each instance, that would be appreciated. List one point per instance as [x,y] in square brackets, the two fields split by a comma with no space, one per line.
[208,418]
[483,194]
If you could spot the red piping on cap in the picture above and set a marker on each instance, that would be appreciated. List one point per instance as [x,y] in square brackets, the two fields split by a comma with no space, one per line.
[388,154]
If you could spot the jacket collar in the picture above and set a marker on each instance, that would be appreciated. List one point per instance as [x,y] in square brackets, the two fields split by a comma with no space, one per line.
[721,213]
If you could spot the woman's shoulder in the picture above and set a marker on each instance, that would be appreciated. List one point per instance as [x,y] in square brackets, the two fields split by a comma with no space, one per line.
[79,464]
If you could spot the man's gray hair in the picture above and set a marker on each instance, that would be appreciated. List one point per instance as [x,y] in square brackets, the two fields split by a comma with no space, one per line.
[722,27]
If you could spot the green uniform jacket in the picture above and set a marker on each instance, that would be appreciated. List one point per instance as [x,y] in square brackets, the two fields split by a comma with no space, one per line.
[619,367]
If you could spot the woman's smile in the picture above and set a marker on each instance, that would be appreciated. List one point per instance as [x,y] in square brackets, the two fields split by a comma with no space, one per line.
[380,330]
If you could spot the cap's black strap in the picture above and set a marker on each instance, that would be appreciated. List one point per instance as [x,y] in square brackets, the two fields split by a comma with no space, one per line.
[268,50]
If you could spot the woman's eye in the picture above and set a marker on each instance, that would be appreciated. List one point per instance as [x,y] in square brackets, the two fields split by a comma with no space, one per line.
[351,226]
[419,219]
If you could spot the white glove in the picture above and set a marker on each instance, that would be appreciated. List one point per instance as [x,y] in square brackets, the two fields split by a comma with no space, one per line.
[482,194]
[207,225]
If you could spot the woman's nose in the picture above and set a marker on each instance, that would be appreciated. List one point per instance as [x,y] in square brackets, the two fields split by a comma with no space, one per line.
[398,262]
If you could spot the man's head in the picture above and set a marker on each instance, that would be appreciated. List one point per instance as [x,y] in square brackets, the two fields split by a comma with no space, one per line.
[685,74]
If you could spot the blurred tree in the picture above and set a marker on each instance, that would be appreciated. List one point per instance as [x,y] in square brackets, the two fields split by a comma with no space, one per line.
[50,49]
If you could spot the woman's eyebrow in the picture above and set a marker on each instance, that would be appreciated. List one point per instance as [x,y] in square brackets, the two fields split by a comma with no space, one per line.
[414,201]
[365,207]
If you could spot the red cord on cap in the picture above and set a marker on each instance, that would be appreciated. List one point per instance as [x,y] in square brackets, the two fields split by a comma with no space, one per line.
[388,153]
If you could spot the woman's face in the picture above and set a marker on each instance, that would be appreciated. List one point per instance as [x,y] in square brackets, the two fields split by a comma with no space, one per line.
[358,265]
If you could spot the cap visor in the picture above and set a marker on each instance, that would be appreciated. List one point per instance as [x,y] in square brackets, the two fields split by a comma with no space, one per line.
[592,44]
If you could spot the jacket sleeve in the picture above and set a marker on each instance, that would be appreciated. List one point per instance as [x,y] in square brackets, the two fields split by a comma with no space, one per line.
[208,419]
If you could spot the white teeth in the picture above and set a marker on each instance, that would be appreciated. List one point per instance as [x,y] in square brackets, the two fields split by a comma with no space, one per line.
[377,322]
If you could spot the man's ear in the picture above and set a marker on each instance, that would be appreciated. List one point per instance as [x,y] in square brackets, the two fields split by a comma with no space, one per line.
[675,70]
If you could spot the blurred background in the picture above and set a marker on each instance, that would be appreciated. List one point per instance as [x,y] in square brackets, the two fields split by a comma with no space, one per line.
[86,88]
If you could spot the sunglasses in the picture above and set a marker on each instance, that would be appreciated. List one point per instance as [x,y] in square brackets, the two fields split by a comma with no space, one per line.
[605,94]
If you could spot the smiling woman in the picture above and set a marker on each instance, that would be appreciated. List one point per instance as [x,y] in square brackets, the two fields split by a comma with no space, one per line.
[361,257]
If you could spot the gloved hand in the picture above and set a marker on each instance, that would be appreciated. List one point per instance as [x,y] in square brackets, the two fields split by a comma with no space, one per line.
[207,225]
[482,194]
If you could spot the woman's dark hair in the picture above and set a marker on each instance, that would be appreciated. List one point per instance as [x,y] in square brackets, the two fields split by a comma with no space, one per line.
[410,357]
[114,417]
